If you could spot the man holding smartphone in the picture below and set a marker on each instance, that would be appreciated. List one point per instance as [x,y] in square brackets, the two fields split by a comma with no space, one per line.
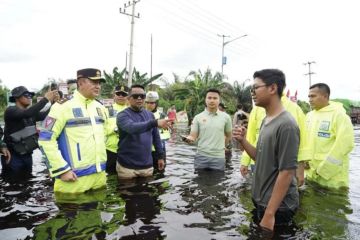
[212,130]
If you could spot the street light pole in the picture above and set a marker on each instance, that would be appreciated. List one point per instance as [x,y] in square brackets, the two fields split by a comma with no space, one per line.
[223,62]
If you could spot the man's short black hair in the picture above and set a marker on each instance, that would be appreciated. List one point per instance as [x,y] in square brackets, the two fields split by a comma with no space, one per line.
[214,90]
[272,76]
[136,86]
[323,87]
[71,81]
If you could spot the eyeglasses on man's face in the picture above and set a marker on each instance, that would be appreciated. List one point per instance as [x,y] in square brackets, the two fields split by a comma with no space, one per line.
[122,94]
[253,88]
[138,95]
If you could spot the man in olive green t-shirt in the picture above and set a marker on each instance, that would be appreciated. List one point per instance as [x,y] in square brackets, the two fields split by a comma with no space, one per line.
[213,131]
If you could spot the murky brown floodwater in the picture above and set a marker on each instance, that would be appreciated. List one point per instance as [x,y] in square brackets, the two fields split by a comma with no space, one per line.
[180,205]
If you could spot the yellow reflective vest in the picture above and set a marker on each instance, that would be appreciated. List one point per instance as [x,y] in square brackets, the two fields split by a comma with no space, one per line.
[164,134]
[330,139]
[256,117]
[112,134]
[72,137]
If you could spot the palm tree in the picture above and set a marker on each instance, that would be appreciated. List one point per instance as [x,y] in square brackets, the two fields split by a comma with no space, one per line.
[112,80]
[142,79]
[194,89]
[243,95]
[120,78]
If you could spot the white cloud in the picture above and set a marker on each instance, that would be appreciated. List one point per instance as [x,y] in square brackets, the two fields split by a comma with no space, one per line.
[42,39]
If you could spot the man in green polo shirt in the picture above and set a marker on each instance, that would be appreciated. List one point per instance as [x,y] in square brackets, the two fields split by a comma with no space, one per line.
[212,130]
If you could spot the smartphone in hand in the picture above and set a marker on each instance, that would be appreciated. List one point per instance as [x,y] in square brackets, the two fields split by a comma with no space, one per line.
[184,138]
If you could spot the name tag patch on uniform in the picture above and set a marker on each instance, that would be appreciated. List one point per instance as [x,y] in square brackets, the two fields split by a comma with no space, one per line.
[48,123]
[323,134]
[324,126]
[77,112]
[99,112]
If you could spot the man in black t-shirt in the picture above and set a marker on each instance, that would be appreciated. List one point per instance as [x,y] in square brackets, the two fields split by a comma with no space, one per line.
[20,134]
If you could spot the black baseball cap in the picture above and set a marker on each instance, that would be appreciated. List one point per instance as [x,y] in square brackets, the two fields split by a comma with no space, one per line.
[18,92]
[90,73]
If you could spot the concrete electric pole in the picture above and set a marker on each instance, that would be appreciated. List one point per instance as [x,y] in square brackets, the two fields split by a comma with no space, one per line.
[132,15]
[310,72]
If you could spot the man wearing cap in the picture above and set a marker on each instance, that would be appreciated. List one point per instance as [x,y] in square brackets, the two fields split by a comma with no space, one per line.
[120,103]
[151,104]
[20,133]
[72,138]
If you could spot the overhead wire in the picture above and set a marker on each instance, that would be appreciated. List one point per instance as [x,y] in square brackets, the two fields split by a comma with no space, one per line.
[201,26]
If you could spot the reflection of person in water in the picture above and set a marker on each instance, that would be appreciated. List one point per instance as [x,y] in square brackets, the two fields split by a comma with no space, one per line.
[82,216]
[208,197]
[142,203]
[323,212]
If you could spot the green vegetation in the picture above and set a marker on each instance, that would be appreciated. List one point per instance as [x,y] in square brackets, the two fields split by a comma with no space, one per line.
[186,94]
[3,99]
[305,106]
[120,78]
[347,103]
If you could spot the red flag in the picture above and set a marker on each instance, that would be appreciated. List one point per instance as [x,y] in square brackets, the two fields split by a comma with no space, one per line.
[288,93]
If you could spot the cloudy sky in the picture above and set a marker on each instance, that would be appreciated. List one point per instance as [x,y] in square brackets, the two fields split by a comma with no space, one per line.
[42,39]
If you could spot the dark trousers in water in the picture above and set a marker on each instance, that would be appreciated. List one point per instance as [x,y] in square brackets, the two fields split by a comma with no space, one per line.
[18,163]
[111,162]
[282,217]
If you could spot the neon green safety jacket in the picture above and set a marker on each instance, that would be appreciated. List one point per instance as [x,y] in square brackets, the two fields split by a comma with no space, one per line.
[256,117]
[164,134]
[330,139]
[112,134]
[72,137]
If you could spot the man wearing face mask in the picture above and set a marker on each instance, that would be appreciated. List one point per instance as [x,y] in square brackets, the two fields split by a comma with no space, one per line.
[20,133]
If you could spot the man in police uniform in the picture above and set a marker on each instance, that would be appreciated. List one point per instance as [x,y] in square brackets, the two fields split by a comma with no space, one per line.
[120,103]
[73,138]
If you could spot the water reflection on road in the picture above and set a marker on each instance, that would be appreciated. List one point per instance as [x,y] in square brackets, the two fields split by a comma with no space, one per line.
[181,205]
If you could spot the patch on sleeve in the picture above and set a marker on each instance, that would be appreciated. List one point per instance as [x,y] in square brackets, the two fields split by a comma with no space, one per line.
[99,112]
[48,123]
[77,112]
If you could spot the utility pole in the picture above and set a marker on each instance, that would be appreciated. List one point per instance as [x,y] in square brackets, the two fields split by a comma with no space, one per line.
[132,15]
[310,72]
[151,55]
[223,58]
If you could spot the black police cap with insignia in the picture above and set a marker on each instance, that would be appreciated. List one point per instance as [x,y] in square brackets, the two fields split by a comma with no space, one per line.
[122,88]
[90,73]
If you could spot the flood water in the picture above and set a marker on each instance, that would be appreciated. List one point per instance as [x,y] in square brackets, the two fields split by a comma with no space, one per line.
[181,205]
